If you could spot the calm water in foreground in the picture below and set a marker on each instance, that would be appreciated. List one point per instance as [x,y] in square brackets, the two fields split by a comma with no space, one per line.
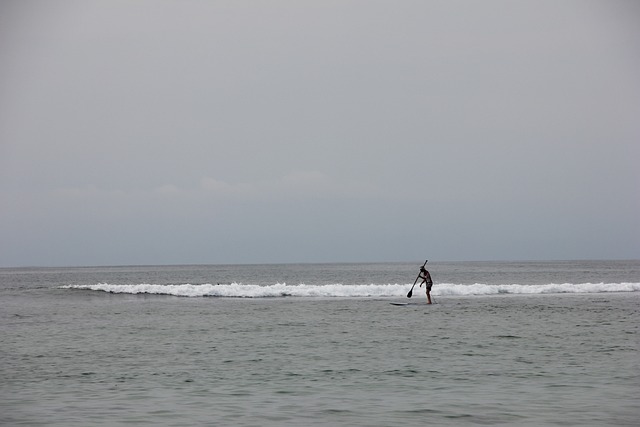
[537,343]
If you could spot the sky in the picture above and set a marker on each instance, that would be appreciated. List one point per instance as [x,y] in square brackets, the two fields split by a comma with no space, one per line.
[213,132]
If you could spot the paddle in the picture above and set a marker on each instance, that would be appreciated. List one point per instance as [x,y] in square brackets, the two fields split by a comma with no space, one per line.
[414,283]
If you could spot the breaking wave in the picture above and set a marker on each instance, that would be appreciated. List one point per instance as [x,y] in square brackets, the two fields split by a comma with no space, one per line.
[238,290]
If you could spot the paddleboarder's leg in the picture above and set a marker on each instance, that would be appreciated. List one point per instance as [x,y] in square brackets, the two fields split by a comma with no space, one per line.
[428,289]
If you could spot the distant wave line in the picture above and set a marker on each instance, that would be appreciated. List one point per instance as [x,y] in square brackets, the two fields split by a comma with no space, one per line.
[238,290]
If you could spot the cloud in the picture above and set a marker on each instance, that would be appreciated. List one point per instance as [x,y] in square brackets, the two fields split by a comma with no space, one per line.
[167,190]
[209,191]
[295,184]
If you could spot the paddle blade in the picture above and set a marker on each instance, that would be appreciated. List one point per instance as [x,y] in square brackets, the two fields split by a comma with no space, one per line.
[410,293]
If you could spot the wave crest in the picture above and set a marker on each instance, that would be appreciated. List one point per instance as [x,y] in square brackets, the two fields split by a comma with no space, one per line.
[238,290]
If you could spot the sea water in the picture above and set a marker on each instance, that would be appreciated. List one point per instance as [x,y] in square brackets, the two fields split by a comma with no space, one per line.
[530,343]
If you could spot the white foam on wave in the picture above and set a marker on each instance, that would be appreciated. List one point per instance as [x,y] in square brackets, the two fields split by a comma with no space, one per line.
[552,288]
[238,290]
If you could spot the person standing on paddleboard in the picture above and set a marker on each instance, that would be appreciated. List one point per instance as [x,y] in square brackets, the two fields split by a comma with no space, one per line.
[426,280]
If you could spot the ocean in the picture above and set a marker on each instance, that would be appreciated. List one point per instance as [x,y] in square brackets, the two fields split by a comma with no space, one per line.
[506,343]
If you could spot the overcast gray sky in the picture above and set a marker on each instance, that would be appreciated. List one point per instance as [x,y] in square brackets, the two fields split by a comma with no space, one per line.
[156,132]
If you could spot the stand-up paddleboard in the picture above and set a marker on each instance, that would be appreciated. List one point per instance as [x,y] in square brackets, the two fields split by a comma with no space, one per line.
[404,304]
